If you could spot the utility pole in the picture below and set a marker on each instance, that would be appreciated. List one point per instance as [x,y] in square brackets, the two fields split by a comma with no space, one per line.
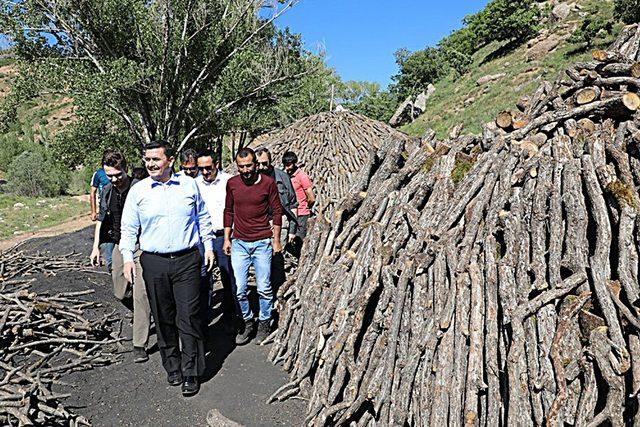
[333,89]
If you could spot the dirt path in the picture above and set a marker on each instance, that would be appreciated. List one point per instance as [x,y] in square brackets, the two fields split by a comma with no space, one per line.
[73,224]
[237,382]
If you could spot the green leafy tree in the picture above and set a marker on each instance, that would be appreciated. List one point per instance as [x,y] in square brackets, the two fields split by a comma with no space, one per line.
[369,99]
[511,21]
[628,11]
[458,48]
[157,69]
[307,95]
[417,70]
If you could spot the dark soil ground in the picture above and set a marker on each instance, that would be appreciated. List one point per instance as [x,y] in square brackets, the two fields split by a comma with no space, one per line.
[238,380]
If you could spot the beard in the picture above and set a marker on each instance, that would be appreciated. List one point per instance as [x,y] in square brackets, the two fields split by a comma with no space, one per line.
[247,176]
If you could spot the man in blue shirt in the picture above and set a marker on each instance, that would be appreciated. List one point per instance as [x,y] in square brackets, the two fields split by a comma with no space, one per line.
[167,211]
[99,180]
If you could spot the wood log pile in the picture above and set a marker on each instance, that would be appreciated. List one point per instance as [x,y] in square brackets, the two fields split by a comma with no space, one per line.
[509,298]
[44,336]
[332,148]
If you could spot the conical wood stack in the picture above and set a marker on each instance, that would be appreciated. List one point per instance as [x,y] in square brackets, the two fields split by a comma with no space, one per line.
[509,298]
[332,147]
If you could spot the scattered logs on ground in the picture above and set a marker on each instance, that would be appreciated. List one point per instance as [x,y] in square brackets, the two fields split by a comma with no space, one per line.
[44,336]
[510,298]
[332,147]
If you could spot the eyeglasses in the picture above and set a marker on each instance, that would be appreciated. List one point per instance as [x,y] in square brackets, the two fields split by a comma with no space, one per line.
[205,168]
[192,169]
[266,164]
[115,176]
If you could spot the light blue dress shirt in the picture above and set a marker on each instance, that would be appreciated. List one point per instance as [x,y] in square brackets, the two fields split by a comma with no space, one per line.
[170,217]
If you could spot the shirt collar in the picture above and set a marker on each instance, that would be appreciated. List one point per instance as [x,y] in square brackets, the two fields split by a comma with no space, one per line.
[215,181]
[174,179]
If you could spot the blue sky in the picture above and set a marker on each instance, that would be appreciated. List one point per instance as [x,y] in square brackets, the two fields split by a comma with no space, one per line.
[360,37]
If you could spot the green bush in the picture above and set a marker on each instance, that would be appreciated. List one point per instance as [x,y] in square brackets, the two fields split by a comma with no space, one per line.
[32,174]
[11,145]
[628,11]
[590,28]
[80,181]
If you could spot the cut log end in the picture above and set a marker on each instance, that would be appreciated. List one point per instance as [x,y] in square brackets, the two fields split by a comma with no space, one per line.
[587,95]
[631,101]
[504,120]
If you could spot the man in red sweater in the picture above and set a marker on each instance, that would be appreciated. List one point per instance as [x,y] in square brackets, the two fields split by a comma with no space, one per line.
[252,199]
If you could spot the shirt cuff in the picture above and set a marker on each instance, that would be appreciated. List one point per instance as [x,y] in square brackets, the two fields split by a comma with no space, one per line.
[208,245]
[127,255]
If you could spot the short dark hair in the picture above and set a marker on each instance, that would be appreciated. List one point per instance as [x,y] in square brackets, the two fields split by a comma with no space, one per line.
[139,173]
[263,150]
[168,149]
[188,155]
[246,152]
[105,154]
[114,159]
[289,158]
[208,153]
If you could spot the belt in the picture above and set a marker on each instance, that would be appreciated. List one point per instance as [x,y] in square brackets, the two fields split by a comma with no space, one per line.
[175,254]
[218,233]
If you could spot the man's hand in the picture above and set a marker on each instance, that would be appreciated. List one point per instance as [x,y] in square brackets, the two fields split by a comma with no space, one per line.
[129,271]
[95,257]
[226,247]
[209,260]
[292,238]
[277,246]
[94,216]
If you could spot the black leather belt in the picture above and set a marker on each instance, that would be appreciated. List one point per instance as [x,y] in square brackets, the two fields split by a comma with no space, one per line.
[219,233]
[176,254]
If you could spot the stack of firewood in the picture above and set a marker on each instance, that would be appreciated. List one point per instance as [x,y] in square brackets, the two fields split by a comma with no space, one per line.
[511,297]
[332,148]
[43,337]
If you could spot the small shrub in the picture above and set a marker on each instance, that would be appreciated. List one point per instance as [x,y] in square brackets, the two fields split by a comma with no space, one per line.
[11,145]
[628,11]
[32,174]
[588,31]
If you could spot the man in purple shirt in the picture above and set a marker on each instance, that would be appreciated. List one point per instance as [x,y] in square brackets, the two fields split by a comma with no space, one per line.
[252,199]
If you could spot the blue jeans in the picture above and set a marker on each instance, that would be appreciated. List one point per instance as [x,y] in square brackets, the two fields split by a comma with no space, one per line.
[106,251]
[243,255]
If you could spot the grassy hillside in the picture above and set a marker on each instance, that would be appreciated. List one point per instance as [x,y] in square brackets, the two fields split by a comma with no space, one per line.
[446,108]
[38,120]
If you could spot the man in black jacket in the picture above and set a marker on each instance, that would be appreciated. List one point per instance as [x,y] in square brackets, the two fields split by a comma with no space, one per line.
[108,227]
[290,207]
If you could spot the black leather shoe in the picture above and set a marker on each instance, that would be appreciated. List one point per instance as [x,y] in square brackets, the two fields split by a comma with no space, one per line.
[246,332]
[190,386]
[264,330]
[174,378]
[140,355]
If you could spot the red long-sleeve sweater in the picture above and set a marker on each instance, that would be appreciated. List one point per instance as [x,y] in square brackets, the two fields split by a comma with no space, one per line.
[247,208]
